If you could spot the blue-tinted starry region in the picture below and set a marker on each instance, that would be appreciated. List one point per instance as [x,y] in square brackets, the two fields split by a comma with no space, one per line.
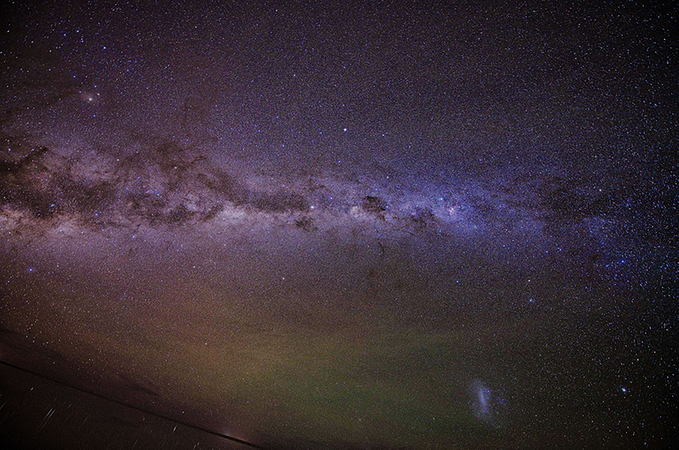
[362,224]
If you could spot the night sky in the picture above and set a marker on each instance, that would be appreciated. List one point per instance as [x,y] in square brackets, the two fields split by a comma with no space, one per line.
[348,224]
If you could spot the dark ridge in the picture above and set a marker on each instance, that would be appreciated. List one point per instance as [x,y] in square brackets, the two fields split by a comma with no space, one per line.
[133,385]
[179,215]
[306,224]
[373,204]
[422,218]
[225,185]
[212,212]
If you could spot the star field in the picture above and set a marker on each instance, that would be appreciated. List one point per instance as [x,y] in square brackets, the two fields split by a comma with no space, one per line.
[339,224]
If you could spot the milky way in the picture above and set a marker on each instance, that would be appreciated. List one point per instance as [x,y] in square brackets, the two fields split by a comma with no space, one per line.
[356,225]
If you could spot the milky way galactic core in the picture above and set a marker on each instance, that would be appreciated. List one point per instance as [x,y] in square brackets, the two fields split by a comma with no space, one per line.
[338,225]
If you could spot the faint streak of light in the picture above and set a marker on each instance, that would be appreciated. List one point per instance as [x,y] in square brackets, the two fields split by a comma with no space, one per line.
[9,415]
[192,426]
[81,425]
[46,419]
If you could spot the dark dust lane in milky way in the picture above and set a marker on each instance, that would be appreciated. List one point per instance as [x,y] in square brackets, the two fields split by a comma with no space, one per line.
[362,224]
